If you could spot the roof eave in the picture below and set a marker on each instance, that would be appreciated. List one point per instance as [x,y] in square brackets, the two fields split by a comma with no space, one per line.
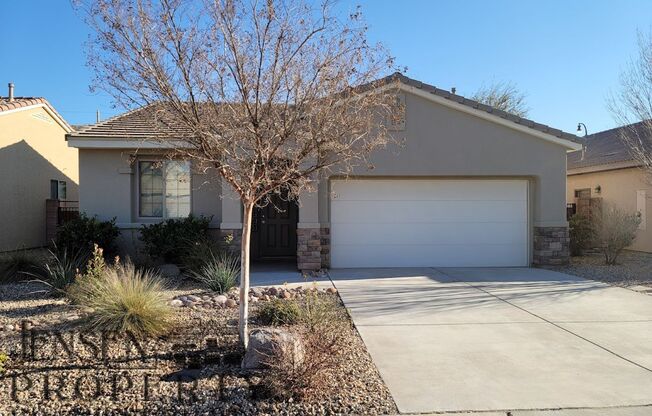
[603,167]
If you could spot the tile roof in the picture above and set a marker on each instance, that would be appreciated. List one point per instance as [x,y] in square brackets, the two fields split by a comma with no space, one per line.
[21,102]
[139,124]
[604,148]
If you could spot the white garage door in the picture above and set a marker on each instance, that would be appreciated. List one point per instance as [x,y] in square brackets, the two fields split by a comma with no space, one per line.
[431,223]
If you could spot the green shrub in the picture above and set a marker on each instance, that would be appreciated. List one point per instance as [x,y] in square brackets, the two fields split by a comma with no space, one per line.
[62,270]
[581,234]
[280,312]
[124,298]
[171,238]
[218,273]
[17,266]
[82,233]
[196,254]
[4,358]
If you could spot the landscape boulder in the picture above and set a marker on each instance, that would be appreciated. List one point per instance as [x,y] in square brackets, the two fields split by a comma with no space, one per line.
[264,343]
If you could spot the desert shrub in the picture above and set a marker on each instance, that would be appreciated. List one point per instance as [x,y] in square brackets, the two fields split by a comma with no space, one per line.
[125,298]
[581,234]
[4,358]
[18,265]
[171,238]
[279,312]
[82,233]
[62,269]
[615,230]
[219,273]
[324,330]
[93,271]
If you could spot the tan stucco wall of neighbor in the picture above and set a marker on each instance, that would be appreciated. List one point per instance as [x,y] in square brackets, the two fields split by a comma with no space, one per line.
[618,187]
[108,188]
[33,151]
[444,142]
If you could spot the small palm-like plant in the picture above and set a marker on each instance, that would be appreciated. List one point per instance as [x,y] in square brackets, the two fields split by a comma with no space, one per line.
[61,272]
[219,273]
[125,298]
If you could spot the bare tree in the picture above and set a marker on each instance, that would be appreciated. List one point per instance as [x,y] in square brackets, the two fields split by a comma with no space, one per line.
[631,105]
[267,93]
[503,96]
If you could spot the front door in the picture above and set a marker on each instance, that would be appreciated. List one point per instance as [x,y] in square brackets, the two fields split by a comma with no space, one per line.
[275,230]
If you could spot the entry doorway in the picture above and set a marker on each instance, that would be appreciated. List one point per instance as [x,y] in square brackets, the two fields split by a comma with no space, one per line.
[274,231]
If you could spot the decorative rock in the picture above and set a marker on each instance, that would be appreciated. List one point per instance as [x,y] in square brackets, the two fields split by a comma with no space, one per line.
[263,343]
[253,299]
[230,303]
[177,303]
[285,295]
[193,298]
[256,292]
[220,299]
[8,328]
[331,290]
[272,291]
[169,270]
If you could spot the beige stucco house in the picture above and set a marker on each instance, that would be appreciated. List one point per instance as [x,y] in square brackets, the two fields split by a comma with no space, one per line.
[606,173]
[35,165]
[472,186]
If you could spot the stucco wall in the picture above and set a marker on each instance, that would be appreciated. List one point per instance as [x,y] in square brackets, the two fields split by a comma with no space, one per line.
[108,188]
[618,187]
[441,141]
[33,151]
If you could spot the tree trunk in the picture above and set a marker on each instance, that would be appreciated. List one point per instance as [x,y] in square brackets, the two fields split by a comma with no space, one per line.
[243,324]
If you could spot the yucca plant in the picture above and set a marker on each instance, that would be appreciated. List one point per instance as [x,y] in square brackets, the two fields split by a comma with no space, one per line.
[219,273]
[125,298]
[62,270]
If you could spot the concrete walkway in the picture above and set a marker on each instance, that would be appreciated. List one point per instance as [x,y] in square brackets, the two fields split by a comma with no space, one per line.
[455,340]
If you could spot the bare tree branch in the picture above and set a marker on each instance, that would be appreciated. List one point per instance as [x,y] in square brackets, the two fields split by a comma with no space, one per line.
[503,96]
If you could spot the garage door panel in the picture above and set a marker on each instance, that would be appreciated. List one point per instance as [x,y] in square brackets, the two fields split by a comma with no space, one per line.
[411,211]
[420,255]
[432,233]
[426,189]
[421,223]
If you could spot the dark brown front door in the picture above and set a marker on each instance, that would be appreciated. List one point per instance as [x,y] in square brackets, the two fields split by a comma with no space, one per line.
[275,230]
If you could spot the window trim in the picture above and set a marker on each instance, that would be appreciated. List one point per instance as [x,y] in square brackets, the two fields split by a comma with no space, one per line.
[164,217]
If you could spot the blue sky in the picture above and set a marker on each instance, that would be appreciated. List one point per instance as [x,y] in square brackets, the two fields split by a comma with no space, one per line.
[565,55]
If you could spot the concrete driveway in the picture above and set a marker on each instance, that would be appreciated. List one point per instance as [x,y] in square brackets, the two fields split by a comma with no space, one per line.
[451,340]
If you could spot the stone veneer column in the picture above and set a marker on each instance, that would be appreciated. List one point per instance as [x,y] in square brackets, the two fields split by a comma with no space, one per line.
[551,246]
[313,239]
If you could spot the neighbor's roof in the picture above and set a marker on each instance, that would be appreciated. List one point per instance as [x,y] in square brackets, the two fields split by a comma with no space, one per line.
[140,124]
[605,149]
[23,102]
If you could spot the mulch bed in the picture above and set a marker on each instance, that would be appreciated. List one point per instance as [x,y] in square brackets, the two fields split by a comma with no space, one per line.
[57,368]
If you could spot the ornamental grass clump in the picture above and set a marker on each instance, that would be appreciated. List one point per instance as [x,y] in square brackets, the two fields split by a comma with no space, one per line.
[218,273]
[124,298]
[62,270]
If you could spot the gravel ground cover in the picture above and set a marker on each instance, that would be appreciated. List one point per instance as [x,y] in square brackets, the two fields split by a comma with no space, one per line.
[56,367]
[634,268]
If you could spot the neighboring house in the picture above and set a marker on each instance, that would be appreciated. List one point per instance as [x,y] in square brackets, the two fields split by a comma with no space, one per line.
[473,186]
[35,165]
[606,173]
